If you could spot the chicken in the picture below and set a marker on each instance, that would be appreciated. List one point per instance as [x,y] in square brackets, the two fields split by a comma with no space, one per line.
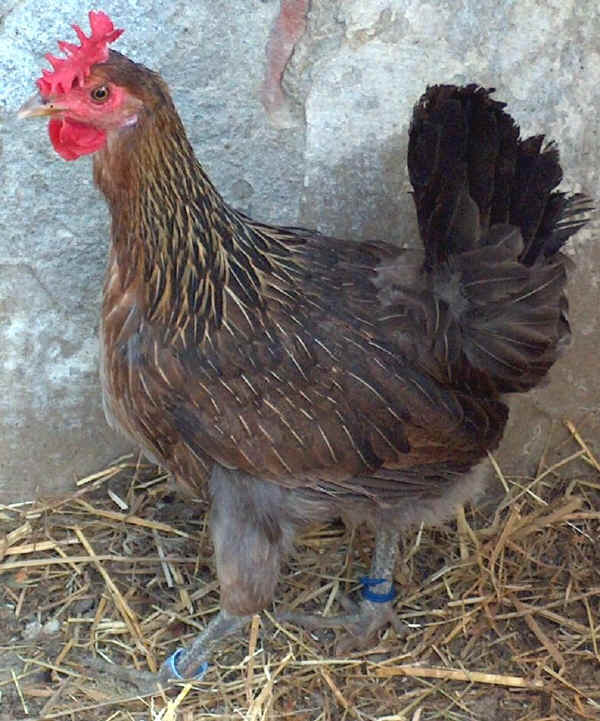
[305,377]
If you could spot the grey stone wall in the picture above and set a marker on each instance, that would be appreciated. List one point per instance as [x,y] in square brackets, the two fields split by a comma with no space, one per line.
[326,149]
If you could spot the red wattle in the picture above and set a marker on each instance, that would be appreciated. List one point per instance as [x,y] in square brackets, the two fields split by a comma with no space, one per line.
[72,139]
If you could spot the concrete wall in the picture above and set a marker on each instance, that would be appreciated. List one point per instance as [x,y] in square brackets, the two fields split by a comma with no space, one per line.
[326,148]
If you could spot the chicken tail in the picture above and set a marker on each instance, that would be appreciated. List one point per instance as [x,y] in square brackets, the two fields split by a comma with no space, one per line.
[493,224]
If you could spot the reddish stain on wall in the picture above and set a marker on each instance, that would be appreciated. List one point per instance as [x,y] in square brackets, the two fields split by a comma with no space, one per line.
[287,29]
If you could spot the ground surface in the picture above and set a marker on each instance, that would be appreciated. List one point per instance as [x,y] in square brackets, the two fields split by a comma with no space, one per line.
[502,606]
[299,112]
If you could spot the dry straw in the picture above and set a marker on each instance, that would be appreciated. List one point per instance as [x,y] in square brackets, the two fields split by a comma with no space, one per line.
[502,607]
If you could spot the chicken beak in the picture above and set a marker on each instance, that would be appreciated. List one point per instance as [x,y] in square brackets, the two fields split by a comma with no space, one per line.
[37,107]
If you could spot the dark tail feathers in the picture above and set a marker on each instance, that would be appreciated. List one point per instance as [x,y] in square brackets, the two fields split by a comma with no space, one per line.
[492,224]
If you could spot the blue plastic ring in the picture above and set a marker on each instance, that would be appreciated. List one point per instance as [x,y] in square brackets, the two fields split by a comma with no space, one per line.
[373,596]
[171,664]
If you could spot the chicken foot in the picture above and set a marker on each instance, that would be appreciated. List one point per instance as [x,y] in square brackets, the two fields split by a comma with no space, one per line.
[186,663]
[375,610]
[192,662]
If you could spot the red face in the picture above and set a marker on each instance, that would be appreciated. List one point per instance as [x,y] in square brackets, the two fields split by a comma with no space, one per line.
[84,107]
[82,119]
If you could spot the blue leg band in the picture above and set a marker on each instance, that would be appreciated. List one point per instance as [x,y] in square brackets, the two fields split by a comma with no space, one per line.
[171,664]
[370,595]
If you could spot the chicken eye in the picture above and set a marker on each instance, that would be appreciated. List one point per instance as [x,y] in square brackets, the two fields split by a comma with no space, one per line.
[100,94]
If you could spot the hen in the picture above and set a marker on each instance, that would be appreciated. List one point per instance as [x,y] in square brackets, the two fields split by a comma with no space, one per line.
[302,376]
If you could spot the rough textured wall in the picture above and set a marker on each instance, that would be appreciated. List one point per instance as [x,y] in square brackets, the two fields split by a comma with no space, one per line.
[299,111]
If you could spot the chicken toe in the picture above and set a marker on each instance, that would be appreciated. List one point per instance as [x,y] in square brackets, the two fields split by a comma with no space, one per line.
[359,625]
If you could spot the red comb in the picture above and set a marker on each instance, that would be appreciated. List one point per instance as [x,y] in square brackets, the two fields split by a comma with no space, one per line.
[80,58]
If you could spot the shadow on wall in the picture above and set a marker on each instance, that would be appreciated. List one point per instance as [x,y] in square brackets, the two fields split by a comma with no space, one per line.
[364,197]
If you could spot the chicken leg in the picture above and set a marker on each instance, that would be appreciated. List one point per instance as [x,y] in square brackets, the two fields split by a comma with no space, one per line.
[189,663]
[192,662]
[363,619]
